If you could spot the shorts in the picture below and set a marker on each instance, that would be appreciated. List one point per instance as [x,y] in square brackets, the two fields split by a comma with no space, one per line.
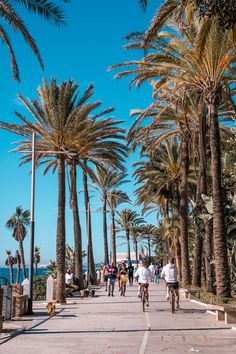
[144,285]
[105,277]
[174,285]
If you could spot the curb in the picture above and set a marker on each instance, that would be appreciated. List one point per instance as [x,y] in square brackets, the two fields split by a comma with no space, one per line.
[16,332]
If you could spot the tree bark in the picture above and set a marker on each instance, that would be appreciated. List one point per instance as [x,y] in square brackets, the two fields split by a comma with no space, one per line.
[93,274]
[136,251]
[128,245]
[61,233]
[11,273]
[183,212]
[77,228]
[113,236]
[21,247]
[219,231]
[36,268]
[178,256]
[104,211]
[18,273]
[208,249]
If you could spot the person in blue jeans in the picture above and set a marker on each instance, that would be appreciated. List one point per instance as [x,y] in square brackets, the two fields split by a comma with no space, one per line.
[111,276]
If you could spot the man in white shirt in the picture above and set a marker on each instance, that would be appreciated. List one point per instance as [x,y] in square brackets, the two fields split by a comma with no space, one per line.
[170,274]
[143,274]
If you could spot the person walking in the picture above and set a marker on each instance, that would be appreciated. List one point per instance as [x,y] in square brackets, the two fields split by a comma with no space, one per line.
[131,274]
[112,273]
[123,279]
[105,274]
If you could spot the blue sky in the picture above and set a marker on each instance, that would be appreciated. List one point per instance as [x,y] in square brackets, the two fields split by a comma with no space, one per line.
[83,50]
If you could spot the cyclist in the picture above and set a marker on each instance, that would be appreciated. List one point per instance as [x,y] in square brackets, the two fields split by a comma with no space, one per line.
[170,274]
[144,275]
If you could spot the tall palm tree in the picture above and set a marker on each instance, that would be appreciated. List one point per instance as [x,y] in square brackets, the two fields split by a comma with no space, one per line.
[18,263]
[11,18]
[18,223]
[107,180]
[115,197]
[65,128]
[10,261]
[36,259]
[127,218]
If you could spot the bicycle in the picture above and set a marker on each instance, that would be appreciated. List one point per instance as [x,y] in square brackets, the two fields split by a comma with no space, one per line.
[144,295]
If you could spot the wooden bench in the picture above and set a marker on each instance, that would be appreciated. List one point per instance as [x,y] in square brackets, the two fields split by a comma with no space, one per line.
[191,293]
[226,313]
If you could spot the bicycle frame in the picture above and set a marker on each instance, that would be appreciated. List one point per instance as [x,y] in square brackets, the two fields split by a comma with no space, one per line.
[144,295]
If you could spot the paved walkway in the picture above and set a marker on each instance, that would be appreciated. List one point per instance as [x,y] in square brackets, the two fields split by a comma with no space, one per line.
[117,325]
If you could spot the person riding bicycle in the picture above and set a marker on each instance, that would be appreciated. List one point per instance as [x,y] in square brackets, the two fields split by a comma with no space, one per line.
[144,275]
[170,274]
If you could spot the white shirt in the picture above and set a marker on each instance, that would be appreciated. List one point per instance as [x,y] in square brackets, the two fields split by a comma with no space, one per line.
[152,268]
[143,274]
[170,273]
[69,278]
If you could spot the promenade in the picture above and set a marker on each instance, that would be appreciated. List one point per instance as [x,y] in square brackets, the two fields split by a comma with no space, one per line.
[117,325]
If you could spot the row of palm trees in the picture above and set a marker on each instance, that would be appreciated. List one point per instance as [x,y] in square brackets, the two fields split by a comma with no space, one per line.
[190,65]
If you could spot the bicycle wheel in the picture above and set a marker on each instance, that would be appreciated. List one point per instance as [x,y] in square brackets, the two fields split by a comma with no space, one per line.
[143,301]
[172,301]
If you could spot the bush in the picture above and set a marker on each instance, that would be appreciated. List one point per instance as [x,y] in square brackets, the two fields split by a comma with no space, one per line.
[39,288]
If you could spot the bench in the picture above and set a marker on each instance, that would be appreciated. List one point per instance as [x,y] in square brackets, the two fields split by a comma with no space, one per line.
[191,293]
[226,313]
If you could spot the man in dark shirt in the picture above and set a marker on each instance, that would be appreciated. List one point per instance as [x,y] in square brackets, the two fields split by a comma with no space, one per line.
[111,276]
[131,274]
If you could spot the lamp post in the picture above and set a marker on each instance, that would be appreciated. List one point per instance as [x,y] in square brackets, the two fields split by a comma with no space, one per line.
[32,225]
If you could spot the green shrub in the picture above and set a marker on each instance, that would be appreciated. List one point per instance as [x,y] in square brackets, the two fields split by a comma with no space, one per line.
[39,288]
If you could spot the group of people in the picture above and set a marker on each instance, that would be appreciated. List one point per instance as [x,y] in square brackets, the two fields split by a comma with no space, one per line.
[122,273]
[144,273]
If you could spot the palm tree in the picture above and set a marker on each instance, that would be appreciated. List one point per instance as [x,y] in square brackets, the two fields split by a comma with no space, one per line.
[66,129]
[18,223]
[36,259]
[115,197]
[126,220]
[9,14]
[107,180]
[18,263]
[10,261]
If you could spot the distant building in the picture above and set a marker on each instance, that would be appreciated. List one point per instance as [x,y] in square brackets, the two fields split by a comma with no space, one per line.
[122,257]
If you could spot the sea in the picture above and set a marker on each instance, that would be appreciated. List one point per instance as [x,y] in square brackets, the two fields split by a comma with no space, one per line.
[5,275]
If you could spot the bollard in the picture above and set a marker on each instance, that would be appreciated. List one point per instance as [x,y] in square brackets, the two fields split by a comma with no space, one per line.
[49,289]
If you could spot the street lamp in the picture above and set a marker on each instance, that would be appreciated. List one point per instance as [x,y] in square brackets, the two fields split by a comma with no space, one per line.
[32,225]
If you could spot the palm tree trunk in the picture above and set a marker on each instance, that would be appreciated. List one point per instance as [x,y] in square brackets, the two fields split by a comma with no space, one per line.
[78,260]
[11,273]
[197,257]
[128,245]
[61,233]
[208,249]
[178,256]
[104,211]
[21,247]
[113,237]
[219,232]
[183,212]
[36,268]
[93,274]
[18,273]
[136,251]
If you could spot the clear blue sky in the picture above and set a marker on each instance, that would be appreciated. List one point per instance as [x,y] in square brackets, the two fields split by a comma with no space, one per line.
[83,50]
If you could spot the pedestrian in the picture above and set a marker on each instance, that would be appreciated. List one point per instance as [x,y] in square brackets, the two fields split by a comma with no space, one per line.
[152,269]
[118,275]
[105,274]
[123,279]
[131,273]
[157,274]
[112,273]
